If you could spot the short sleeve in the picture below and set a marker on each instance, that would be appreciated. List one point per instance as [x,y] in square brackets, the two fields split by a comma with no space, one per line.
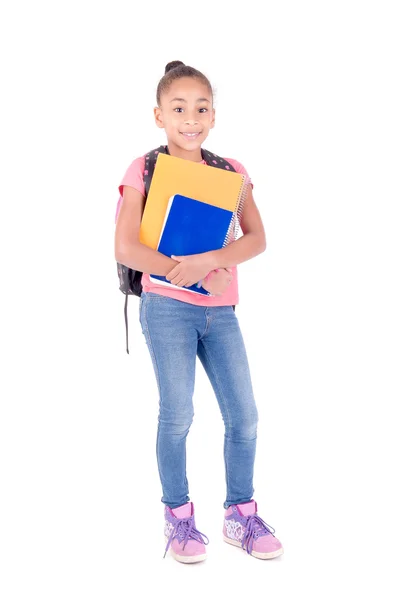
[134,178]
[239,168]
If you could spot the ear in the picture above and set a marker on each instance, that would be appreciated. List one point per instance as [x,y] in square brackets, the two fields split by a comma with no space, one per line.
[158,117]
[212,119]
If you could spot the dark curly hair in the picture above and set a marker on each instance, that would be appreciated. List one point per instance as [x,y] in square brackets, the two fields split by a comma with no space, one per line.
[175,70]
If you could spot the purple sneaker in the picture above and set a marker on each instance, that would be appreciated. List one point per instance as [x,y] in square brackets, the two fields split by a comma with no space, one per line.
[185,543]
[244,528]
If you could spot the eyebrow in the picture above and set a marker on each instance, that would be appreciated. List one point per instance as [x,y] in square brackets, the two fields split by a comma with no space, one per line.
[183,100]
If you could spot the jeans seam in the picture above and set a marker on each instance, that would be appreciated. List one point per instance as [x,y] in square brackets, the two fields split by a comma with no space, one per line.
[225,404]
[208,320]
[151,349]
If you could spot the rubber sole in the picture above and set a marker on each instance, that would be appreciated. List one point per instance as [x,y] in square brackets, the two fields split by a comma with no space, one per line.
[262,555]
[188,559]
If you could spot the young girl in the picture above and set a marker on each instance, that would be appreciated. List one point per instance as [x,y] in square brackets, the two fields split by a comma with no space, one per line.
[179,326]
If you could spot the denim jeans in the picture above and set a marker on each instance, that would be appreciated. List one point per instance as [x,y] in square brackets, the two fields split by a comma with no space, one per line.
[176,333]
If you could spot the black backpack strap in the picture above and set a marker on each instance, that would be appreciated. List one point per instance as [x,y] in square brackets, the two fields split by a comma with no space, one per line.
[150,165]
[213,160]
[131,276]
[126,321]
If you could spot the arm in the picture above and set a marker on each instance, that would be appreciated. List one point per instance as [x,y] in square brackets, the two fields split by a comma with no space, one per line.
[127,247]
[248,246]
[252,242]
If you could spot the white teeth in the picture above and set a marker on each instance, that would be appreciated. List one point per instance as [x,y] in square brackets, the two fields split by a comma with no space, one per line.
[190,134]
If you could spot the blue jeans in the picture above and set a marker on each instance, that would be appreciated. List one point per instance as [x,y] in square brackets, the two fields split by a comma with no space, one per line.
[176,333]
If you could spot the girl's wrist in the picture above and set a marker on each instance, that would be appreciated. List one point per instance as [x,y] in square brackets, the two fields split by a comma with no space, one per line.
[212,261]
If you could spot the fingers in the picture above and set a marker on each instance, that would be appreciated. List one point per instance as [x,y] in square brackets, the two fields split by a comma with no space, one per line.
[175,276]
[182,282]
[172,274]
[177,281]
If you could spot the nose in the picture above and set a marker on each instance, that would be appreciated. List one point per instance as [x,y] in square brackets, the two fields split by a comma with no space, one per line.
[190,122]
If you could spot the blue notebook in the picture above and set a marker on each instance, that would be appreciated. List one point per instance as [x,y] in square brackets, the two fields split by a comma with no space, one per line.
[192,227]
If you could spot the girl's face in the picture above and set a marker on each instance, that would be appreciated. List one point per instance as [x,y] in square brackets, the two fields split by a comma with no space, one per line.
[186,108]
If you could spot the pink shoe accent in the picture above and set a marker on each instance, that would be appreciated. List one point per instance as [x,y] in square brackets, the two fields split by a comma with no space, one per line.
[249,508]
[246,509]
[186,510]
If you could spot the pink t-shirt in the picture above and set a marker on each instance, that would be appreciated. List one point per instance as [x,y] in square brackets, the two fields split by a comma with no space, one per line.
[134,178]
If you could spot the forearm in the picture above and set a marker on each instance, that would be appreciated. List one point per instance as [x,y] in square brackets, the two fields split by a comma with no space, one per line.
[245,248]
[141,258]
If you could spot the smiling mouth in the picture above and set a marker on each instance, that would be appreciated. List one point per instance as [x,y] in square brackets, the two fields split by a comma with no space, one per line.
[191,135]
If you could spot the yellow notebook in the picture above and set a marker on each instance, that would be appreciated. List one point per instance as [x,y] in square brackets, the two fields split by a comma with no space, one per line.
[173,175]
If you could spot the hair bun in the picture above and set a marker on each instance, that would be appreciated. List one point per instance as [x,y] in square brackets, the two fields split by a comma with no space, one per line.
[173,65]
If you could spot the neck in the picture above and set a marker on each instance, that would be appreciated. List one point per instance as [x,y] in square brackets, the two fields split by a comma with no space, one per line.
[193,155]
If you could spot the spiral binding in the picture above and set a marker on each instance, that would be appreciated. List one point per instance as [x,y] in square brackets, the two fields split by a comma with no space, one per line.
[233,229]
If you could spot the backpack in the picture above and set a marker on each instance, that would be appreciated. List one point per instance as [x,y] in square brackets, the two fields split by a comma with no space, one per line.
[129,279]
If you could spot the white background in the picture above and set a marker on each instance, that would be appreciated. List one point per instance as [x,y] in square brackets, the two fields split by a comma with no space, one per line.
[307,98]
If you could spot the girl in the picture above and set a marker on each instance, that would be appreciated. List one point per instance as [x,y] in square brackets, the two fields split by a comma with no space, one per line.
[179,326]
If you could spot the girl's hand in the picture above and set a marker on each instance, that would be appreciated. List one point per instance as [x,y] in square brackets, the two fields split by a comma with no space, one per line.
[218,281]
[190,269]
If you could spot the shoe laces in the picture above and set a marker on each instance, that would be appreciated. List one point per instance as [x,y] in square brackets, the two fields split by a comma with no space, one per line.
[185,530]
[255,528]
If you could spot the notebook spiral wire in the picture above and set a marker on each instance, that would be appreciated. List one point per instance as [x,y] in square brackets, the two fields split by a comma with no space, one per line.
[233,230]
